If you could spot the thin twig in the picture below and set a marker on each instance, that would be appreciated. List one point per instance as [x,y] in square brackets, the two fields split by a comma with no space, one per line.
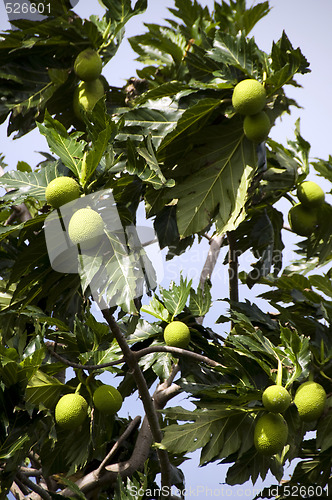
[178,352]
[215,244]
[133,424]
[83,367]
[175,371]
[34,487]
[165,467]
[233,265]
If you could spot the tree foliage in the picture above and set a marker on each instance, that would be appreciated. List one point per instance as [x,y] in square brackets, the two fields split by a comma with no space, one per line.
[171,141]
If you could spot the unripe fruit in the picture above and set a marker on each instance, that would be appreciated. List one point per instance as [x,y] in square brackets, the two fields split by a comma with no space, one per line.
[61,190]
[86,228]
[302,220]
[249,97]
[310,400]
[88,65]
[270,434]
[257,127]
[107,399]
[86,96]
[71,411]
[310,194]
[177,334]
[276,399]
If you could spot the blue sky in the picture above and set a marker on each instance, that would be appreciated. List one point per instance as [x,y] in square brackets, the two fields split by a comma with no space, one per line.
[307,25]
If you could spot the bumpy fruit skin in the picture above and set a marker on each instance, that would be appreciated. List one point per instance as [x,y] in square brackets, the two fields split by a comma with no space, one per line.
[107,399]
[302,220]
[86,96]
[276,399]
[61,190]
[86,228]
[249,97]
[88,65]
[257,127]
[310,194]
[177,334]
[310,400]
[71,411]
[270,434]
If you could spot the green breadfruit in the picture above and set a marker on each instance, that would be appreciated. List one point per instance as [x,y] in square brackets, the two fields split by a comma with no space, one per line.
[71,411]
[177,334]
[107,399]
[86,228]
[310,400]
[270,434]
[310,194]
[302,220]
[249,97]
[276,398]
[257,127]
[61,190]
[86,96]
[88,65]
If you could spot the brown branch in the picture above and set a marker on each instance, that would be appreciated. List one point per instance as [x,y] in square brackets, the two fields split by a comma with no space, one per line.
[17,489]
[233,265]
[92,482]
[147,401]
[34,487]
[83,367]
[210,263]
[133,424]
[178,352]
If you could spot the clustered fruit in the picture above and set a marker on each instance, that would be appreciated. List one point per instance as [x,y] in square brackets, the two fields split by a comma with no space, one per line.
[304,216]
[249,99]
[271,429]
[87,67]
[72,409]
[86,226]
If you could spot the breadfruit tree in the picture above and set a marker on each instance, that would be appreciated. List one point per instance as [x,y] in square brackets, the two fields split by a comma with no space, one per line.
[172,140]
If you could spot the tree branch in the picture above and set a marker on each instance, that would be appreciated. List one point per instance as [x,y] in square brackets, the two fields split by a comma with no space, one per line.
[178,352]
[92,482]
[34,487]
[78,365]
[233,265]
[143,390]
[134,423]
[215,244]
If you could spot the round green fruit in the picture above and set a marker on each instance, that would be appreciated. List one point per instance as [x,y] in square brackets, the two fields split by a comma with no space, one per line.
[71,411]
[177,334]
[107,399]
[302,220]
[310,194]
[257,127]
[86,96]
[270,434]
[88,65]
[61,190]
[276,398]
[310,400]
[249,97]
[86,228]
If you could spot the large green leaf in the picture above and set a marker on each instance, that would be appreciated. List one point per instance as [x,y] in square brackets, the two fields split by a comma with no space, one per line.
[240,52]
[224,167]
[176,297]
[67,147]
[43,389]
[219,432]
